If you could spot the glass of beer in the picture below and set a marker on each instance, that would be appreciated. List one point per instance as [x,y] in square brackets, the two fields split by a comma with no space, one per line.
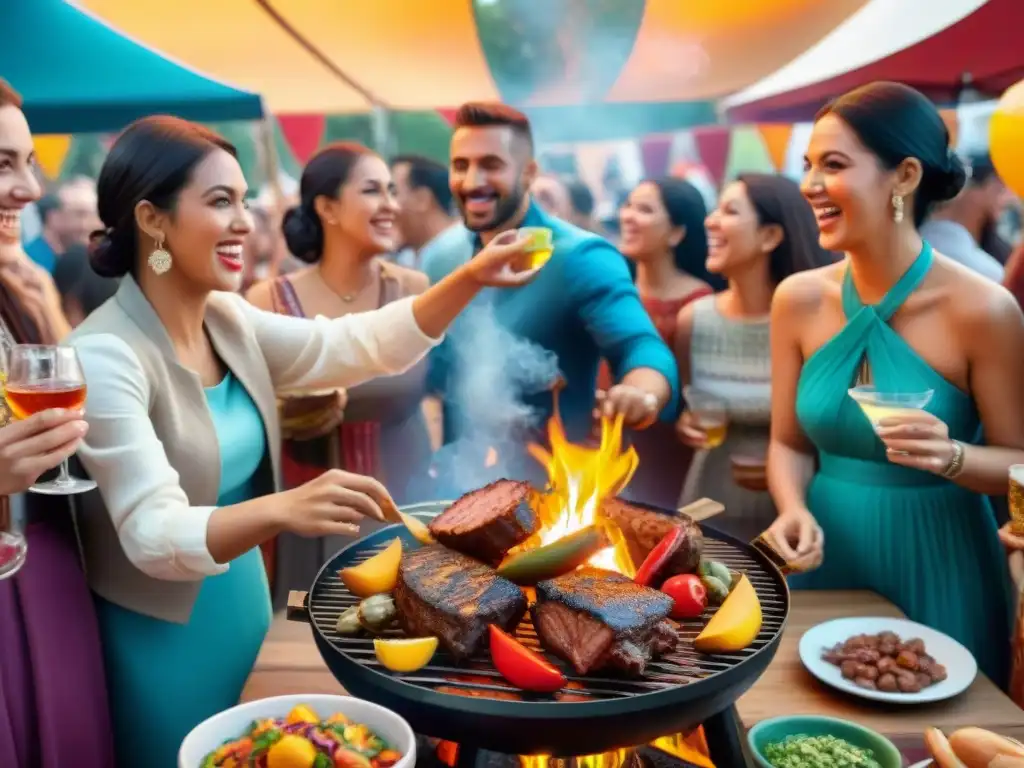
[1017,500]
[539,249]
[709,414]
[41,377]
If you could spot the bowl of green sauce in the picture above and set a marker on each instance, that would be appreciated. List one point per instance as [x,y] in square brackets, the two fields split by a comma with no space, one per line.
[809,741]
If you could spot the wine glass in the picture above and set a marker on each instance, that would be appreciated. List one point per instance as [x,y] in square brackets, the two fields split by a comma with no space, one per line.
[41,377]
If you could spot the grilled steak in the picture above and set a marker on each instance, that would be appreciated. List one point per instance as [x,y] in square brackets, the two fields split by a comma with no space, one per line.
[453,597]
[488,522]
[644,528]
[594,619]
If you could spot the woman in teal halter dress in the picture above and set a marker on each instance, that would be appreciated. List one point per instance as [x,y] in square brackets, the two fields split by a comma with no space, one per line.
[929,546]
[902,511]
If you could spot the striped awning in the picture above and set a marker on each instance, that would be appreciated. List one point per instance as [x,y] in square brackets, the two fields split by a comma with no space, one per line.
[956,44]
[338,56]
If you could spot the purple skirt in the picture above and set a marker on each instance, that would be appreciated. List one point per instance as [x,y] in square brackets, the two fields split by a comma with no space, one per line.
[53,695]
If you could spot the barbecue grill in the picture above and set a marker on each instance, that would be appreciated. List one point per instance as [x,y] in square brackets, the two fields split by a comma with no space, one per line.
[470,703]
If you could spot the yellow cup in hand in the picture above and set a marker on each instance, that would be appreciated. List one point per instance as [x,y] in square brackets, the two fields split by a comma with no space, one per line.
[539,249]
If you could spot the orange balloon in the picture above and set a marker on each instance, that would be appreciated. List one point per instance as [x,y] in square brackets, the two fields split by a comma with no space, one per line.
[1006,138]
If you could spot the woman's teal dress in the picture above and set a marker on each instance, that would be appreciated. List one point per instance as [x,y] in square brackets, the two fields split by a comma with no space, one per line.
[166,678]
[917,539]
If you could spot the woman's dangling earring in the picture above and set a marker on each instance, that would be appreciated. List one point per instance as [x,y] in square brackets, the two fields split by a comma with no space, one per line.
[897,208]
[160,258]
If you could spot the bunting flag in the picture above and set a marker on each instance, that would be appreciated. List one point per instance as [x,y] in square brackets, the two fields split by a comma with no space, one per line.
[776,138]
[952,121]
[51,149]
[656,153]
[303,134]
[713,147]
[448,114]
[747,153]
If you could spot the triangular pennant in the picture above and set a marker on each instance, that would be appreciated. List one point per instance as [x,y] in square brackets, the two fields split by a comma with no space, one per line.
[303,134]
[655,152]
[713,147]
[776,138]
[747,153]
[51,150]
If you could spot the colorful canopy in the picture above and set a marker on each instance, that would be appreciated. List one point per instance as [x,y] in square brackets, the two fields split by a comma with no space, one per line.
[336,56]
[78,75]
[977,41]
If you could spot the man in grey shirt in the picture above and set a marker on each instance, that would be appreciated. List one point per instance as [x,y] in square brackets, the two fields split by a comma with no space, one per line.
[956,229]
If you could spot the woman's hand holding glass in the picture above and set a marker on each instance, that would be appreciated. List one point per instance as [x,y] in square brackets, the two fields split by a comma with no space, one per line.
[917,439]
[39,443]
[333,504]
[796,536]
[690,432]
[496,264]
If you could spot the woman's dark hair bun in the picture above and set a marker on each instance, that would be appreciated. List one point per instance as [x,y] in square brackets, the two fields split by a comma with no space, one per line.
[952,179]
[324,175]
[895,122]
[111,253]
[303,234]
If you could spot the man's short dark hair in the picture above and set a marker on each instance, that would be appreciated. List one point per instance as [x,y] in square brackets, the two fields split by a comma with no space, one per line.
[487,114]
[46,205]
[581,198]
[424,172]
[8,96]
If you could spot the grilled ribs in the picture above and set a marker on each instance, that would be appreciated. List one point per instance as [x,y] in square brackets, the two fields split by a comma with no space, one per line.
[443,593]
[488,522]
[595,619]
[644,528]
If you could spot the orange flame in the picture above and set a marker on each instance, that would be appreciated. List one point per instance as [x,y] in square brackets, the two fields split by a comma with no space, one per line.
[580,478]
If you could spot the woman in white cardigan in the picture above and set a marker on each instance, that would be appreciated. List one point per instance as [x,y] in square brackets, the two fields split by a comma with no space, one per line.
[183,437]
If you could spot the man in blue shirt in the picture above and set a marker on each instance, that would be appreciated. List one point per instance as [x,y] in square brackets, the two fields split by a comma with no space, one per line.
[581,307]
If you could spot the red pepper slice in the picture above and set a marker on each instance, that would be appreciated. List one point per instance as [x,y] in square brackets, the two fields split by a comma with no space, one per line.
[522,667]
[658,557]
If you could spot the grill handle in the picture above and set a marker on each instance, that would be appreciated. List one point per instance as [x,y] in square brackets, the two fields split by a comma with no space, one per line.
[298,607]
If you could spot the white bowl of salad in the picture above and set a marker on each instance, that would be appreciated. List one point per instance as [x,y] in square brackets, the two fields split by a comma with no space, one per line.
[301,731]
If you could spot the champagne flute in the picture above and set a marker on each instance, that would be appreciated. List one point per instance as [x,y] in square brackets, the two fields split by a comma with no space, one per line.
[42,377]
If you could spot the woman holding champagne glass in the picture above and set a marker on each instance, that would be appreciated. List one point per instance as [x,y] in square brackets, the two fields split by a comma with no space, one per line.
[183,438]
[900,509]
[52,692]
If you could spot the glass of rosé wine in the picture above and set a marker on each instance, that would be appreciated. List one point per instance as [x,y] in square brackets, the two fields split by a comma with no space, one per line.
[41,377]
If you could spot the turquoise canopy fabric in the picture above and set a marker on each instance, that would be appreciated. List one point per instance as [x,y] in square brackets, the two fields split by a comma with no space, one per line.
[77,75]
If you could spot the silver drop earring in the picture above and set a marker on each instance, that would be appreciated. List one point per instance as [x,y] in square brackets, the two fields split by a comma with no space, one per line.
[160,259]
[897,208]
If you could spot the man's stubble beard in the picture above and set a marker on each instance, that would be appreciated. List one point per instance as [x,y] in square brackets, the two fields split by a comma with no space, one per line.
[506,209]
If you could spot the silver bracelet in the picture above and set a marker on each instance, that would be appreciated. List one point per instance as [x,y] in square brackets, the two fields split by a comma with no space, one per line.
[956,464]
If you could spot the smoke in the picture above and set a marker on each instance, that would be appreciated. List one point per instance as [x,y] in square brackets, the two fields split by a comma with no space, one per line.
[493,373]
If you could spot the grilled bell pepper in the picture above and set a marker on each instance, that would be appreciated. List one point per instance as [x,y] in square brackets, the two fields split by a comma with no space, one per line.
[554,559]
[658,558]
[522,667]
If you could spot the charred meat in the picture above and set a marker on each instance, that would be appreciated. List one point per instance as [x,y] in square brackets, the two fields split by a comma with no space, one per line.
[488,522]
[644,528]
[443,593]
[595,619]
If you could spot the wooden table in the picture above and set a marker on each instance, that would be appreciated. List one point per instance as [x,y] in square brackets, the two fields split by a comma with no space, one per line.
[787,688]
[290,663]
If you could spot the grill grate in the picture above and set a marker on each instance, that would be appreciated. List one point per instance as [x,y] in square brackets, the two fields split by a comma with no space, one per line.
[477,677]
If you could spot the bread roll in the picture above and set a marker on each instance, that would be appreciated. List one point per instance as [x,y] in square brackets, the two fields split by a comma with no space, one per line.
[941,751]
[978,748]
